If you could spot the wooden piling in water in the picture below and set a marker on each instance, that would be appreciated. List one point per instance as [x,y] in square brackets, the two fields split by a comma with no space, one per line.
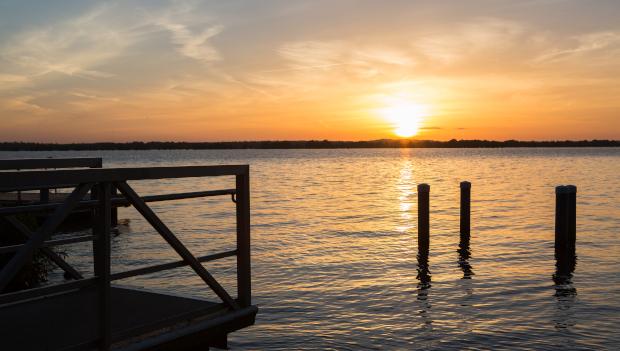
[465,209]
[423,216]
[565,220]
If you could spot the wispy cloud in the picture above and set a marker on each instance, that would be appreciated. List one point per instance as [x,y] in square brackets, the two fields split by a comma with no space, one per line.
[78,59]
[12,79]
[24,103]
[311,64]
[480,36]
[191,31]
[195,45]
[74,47]
[583,44]
[328,54]
[82,45]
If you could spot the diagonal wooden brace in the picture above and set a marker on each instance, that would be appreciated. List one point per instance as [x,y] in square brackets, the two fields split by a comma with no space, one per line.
[36,240]
[59,261]
[175,243]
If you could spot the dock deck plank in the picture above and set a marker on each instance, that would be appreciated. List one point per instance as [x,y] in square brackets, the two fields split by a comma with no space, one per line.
[12,198]
[62,321]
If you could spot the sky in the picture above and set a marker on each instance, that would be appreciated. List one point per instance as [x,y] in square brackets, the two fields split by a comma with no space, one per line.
[84,71]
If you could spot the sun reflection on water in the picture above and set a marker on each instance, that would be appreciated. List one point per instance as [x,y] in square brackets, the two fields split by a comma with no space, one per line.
[406,189]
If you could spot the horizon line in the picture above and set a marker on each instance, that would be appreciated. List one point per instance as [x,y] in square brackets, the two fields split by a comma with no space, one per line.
[301,144]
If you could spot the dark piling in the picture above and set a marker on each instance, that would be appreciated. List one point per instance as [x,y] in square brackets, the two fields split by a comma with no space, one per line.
[565,226]
[423,216]
[465,226]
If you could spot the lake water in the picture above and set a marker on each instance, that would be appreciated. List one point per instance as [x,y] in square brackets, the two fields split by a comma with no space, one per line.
[334,246]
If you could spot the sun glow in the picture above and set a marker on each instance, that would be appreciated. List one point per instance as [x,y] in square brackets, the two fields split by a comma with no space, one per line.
[405,117]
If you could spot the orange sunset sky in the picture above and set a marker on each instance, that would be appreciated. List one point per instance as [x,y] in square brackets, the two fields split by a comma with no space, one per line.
[82,71]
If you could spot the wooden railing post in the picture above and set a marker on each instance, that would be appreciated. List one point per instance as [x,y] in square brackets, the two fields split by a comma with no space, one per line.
[44,195]
[244,290]
[423,216]
[114,214]
[101,252]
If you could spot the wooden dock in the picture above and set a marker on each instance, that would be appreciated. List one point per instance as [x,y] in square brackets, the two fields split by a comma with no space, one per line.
[23,198]
[78,219]
[139,319]
[90,312]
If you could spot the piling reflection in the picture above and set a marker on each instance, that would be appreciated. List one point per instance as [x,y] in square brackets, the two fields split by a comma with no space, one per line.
[564,268]
[464,255]
[405,189]
[423,288]
[424,274]
[565,292]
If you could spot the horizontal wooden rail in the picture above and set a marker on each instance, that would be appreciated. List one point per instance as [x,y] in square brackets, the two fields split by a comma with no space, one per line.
[170,265]
[150,343]
[26,180]
[102,202]
[49,243]
[164,323]
[116,202]
[177,196]
[40,163]
[46,290]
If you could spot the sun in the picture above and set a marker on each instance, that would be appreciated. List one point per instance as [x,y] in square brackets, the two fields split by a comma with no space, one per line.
[405,116]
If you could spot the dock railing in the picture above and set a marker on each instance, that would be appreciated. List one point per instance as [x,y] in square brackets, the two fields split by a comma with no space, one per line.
[49,163]
[102,181]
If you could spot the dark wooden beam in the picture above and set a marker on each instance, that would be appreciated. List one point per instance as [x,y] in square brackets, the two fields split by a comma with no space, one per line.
[49,243]
[165,341]
[45,290]
[171,265]
[175,243]
[244,285]
[25,180]
[54,257]
[41,163]
[116,202]
[25,253]
[101,251]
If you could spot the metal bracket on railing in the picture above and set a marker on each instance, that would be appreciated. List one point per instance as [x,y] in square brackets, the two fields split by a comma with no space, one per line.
[233,197]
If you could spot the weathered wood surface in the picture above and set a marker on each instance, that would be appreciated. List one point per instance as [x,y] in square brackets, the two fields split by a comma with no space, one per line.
[71,319]
[175,243]
[465,219]
[423,216]
[42,163]
[31,180]
[242,202]
[116,201]
[98,302]
[13,198]
[43,233]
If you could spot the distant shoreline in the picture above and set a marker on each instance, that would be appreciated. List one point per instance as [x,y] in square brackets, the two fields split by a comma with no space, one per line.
[301,144]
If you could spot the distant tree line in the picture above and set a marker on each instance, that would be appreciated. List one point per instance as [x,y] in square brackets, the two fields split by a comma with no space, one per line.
[302,144]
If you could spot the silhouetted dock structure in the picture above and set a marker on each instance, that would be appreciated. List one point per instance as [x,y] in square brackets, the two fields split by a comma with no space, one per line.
[79,218]
[90,312]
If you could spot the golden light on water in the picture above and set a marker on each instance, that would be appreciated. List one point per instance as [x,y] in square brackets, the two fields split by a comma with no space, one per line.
[405,116]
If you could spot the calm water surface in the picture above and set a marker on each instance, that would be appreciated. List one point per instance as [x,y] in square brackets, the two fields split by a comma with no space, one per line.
[334,246]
